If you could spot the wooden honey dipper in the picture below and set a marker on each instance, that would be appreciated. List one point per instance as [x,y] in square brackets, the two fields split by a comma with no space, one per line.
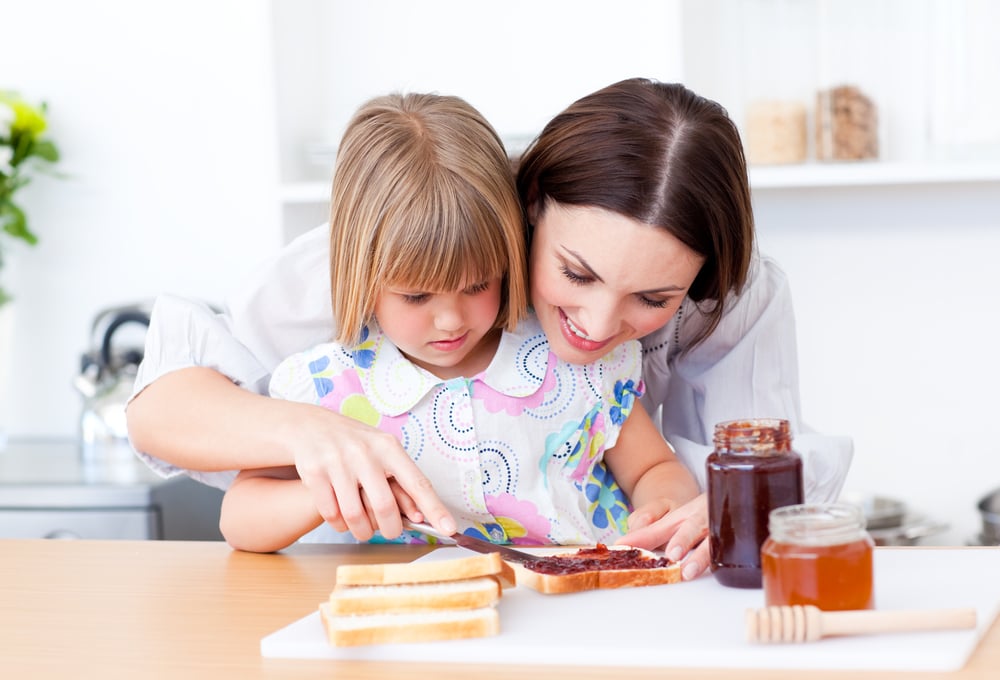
[806,623]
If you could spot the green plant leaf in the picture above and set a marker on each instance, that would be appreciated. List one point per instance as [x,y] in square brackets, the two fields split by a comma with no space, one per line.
[45,150]
[15,223]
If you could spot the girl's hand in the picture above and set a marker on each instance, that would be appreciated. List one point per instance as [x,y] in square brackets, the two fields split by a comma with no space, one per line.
[681,531]
[361,479]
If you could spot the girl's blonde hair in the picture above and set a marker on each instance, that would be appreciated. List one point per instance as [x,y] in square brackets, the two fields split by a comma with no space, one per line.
[424,199]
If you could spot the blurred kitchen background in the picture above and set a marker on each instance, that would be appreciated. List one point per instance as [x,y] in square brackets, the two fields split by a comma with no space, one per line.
[198,136]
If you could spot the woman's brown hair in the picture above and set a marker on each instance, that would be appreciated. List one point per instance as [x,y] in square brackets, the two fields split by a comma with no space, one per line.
[662,155]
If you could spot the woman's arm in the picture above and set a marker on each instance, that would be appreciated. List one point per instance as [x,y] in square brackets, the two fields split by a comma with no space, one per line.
[199,406]
[197,417]
[266,510]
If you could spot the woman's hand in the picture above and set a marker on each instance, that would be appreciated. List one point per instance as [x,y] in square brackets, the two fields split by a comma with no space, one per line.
[361,478]
[682,531]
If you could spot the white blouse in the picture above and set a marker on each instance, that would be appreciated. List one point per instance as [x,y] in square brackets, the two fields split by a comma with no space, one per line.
[747,368]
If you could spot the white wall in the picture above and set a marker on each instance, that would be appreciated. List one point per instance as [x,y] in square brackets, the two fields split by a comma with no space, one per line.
[518,61]
[894,291]
[164,115]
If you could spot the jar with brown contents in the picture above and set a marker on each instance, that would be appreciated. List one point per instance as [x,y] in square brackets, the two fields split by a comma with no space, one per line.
[752,471]
[819,555]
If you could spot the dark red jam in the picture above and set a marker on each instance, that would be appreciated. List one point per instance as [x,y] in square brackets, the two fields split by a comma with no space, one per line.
[598,558]
[752,471]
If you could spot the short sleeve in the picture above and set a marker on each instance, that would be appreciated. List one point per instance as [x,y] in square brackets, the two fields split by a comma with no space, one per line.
[622,386]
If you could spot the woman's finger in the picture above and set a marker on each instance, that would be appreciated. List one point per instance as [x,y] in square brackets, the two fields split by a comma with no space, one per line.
[419,488]
[380,503]
[352,508]
[406,504]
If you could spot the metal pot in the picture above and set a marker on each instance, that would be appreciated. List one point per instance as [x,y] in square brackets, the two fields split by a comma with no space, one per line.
[889,522]
[989,510]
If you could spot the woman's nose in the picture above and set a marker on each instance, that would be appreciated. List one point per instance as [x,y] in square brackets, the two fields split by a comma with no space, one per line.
[600,320]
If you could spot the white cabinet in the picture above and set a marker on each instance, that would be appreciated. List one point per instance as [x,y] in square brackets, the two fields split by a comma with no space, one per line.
[47,490]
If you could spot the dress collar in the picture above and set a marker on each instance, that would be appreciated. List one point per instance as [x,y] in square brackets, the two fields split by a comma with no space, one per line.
[394,385]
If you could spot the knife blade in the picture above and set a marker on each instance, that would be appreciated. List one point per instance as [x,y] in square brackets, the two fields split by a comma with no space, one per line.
[470,543]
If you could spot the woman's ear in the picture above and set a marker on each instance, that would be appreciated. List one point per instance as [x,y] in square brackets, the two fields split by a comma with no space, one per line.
[532,212]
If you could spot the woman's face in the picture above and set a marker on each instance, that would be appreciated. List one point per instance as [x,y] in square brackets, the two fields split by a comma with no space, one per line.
[599,278]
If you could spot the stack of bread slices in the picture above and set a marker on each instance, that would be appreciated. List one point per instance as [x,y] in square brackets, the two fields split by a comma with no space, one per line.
[416,602]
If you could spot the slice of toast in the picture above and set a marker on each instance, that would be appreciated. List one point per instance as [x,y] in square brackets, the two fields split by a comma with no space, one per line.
[416,601]
[600,567]
[423,572]
[482,591]
[426,626]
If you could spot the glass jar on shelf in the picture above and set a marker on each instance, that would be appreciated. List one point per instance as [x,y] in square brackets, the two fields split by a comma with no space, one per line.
[777,80]
[849,115]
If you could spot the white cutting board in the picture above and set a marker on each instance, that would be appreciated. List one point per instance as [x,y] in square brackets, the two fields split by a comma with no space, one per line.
[698,624]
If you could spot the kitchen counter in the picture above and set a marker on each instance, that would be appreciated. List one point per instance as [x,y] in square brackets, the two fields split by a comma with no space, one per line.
[48,489]
[168,609]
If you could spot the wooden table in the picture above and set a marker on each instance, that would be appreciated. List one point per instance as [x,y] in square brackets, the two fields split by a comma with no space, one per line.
[174,609]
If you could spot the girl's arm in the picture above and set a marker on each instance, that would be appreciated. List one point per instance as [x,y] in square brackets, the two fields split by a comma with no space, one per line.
[647,470]
[265,510]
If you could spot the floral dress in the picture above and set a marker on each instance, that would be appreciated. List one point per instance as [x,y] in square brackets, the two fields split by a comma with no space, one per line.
[515,452]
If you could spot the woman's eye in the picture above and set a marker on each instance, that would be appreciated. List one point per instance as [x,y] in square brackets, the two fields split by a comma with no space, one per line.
[653,304]
[478,288]
[573,277]
[414,298]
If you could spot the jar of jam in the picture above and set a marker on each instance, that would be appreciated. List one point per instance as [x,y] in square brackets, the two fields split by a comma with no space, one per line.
[752,471]
[819,555]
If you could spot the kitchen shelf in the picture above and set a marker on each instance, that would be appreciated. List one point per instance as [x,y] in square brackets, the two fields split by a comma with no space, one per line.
[805,175]
[872,173]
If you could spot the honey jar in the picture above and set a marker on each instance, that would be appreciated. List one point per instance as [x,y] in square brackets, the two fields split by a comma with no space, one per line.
[819,555]
[752,471]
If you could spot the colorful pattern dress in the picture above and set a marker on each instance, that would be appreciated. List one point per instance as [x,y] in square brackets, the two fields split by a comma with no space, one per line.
[515,452]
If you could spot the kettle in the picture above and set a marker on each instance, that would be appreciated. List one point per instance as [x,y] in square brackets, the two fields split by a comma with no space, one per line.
[107,375]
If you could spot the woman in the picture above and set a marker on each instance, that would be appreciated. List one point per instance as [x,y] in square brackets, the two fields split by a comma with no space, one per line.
[642,228]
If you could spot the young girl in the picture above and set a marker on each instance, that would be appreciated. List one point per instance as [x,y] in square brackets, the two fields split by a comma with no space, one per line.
[427,242]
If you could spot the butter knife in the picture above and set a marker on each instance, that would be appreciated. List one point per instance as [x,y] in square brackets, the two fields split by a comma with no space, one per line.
[470,543]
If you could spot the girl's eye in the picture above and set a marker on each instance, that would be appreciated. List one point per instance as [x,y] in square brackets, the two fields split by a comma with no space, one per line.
[478,288]
[573,277]
[415,298]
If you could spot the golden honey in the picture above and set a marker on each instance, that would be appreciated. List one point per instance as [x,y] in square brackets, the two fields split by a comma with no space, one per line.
[818,555]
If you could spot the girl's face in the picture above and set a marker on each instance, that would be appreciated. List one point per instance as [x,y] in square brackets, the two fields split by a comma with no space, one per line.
[450,334]
[599,278]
